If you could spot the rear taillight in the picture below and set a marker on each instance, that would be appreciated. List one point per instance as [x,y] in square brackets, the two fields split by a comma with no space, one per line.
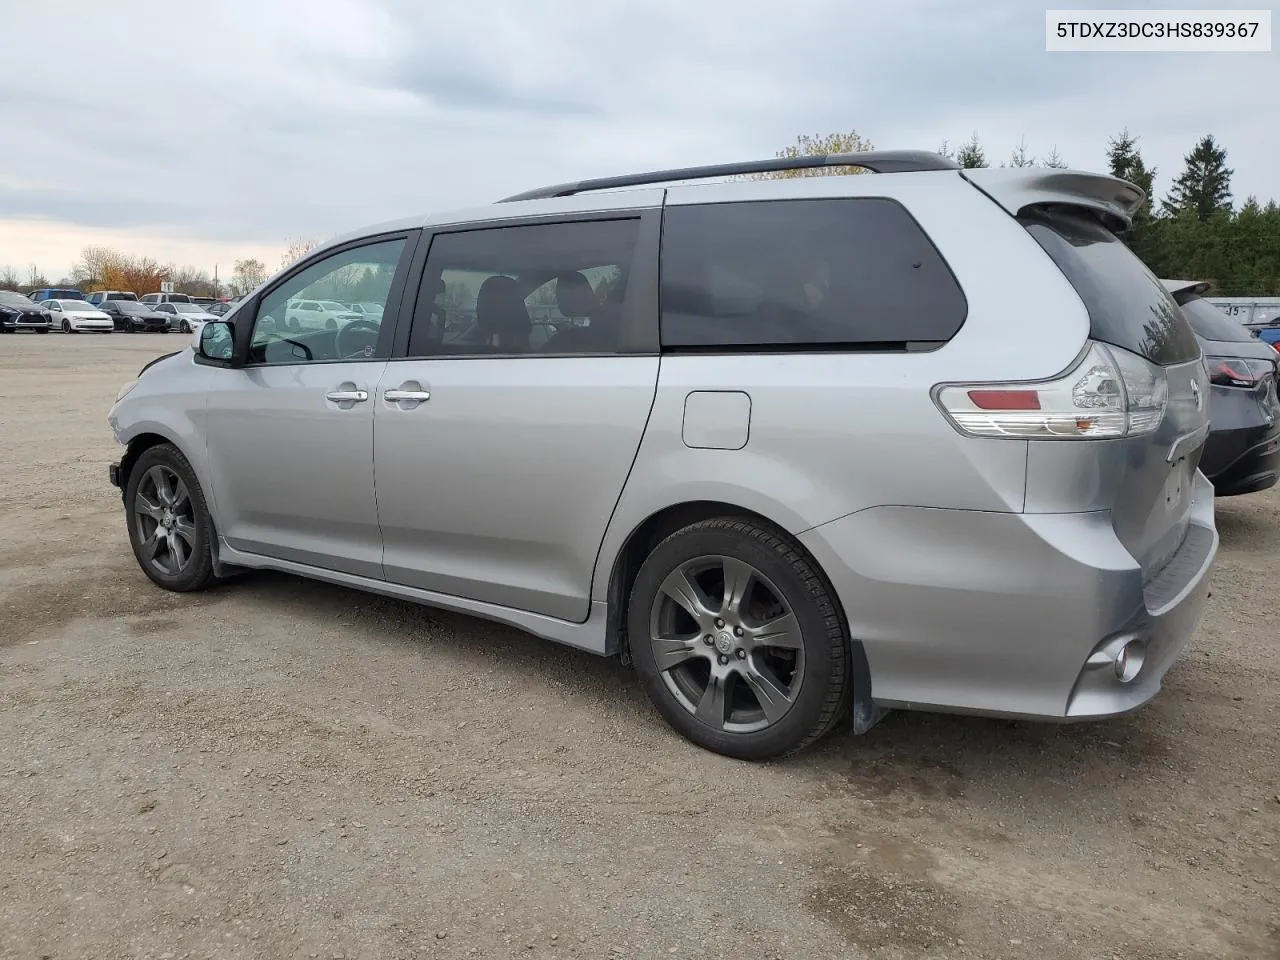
[1237,371]
[1109,393]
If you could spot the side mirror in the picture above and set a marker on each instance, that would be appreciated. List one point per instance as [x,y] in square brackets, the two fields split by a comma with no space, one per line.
[217,342]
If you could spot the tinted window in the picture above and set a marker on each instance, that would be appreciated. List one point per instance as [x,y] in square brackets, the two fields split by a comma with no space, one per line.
[1211,323]
[544,288]
[796,273]
[1127,305]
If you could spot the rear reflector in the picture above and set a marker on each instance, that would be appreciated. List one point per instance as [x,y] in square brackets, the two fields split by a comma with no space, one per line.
[1005,399]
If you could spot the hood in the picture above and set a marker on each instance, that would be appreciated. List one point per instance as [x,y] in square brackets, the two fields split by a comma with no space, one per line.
[91,313]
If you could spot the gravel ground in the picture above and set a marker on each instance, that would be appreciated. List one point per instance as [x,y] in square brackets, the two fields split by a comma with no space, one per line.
[279,768]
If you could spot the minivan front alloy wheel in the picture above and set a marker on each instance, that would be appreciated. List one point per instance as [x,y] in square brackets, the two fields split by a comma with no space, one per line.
[169,526]
[737,639]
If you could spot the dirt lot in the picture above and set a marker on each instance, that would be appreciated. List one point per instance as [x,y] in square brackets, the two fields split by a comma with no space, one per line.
[283,769]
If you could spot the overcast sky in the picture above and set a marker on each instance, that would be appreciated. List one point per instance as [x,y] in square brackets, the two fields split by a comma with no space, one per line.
[202,132]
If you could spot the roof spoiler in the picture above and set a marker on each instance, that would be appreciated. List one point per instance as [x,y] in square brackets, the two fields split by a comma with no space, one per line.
[1184,290]
[1113,200]
[877,161]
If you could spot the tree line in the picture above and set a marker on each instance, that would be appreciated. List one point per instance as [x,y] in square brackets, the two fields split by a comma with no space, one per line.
[1194,232]
[106,268]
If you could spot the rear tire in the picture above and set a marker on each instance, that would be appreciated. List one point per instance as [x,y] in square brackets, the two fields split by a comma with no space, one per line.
[170,529]
[738,640]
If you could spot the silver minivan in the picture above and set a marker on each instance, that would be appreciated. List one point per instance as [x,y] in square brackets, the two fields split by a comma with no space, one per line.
[801,450]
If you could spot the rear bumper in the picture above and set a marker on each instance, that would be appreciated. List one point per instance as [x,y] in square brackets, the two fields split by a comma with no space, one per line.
[1000,613]
[1243,460]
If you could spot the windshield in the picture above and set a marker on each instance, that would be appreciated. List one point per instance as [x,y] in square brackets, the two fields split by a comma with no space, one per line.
[14,299]
[128,306]
[1211,323]
[332,305]
[188,308]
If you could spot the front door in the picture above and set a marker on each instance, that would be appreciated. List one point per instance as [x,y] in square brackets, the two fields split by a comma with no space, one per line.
[504,438]
[290,434]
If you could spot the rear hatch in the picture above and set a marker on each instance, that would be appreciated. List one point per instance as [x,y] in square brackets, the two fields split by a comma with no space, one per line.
[1151,475]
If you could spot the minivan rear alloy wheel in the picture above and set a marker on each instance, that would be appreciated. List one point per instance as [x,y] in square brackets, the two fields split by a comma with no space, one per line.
[738,641]
[169,525]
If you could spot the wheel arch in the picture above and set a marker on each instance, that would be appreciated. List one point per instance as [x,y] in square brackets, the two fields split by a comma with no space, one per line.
[662,523]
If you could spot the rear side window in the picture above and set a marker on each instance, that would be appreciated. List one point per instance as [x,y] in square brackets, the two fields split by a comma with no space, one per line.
[1127,305]
[1211,323]
[796,274]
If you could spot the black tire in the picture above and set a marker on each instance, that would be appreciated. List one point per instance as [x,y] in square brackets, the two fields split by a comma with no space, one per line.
[66,326]
[197,572]
[43,330]
[821,660]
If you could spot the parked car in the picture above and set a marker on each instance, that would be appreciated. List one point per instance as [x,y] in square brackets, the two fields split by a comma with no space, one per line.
[133,317]
[55,293]
[21,313]
[318,315]
[923,440]
[165,298]
[77,316]
[366,309]
[1242,454]
[184,317]
[99,297]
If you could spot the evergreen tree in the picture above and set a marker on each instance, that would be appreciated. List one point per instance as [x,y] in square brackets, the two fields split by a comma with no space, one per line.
[1204,188]
[970,154]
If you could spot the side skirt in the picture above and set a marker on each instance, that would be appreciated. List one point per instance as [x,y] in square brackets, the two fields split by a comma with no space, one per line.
[590,635]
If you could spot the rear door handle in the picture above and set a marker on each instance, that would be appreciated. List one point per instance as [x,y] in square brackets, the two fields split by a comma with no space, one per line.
[347,396]
[394,396]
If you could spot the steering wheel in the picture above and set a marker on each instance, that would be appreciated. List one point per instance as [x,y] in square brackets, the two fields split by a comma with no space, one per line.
[342,345]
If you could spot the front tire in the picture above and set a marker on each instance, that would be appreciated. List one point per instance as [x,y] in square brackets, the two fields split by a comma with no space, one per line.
[738,640]
[170,529]
[66,325]
[184,327]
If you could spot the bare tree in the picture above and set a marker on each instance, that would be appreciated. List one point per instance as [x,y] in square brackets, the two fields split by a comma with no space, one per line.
[248,275]
[9,279]
[296,250]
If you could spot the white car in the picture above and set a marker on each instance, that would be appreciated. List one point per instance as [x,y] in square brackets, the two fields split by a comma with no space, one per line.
[185,317]
[318,315]
[372,311]
[76,316]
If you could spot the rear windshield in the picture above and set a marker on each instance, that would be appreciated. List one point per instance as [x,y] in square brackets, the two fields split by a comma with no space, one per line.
[1211,323]
[122,296]
[1127,305]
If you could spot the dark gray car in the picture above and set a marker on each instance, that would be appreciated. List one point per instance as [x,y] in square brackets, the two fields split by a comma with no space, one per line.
[1242,454]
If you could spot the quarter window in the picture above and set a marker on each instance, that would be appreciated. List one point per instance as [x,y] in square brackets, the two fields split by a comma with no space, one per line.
[290,327]
[551,288]
[792,274]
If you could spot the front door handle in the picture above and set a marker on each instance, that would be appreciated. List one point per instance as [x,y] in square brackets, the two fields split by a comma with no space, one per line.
[394,396]
[347,396]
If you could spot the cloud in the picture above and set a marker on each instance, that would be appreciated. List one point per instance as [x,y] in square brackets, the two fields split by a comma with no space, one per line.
[255,120]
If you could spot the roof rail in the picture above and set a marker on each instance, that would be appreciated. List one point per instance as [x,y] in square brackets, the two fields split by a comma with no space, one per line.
[877,161]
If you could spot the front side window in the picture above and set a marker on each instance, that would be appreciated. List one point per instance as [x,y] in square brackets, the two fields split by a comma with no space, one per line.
[796,274]
[290,327]
[553,288]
